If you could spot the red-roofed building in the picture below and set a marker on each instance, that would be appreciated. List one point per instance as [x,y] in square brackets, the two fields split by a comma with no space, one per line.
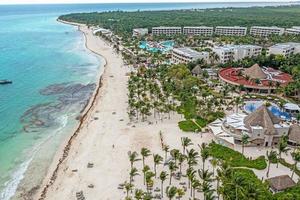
[255,79]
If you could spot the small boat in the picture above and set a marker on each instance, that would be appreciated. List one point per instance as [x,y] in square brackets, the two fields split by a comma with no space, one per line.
[4,82]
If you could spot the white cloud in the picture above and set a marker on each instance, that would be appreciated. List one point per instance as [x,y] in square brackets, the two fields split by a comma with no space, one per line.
[122,1]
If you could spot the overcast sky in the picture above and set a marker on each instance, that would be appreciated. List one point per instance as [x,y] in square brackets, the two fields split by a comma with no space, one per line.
[122,1]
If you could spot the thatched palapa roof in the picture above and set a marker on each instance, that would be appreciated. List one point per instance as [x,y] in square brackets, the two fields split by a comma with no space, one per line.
[255,72]
[280,183]
[197,70]
[264,118]
[294,133]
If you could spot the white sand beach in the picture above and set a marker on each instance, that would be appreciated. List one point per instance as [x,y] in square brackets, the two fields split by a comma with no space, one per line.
[106,136]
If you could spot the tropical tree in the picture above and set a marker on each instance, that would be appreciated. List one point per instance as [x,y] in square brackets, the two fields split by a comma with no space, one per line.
[172,168]
[245,141]
[138,194]
[180,193]
[282,147]
[145,153]
[181,159]
[272,155]
[133,157]
[157,159]
[149,181]
[166,150]
[204,152]
[171,192]
[185,142]
[214,163]
[163,176]
[128,187]
[145,170]
[195,183]
[133,172]
[296,157]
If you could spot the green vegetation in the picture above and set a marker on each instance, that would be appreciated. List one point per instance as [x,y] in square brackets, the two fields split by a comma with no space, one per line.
[290,194]
[234,158]
[123,22]
[192,126]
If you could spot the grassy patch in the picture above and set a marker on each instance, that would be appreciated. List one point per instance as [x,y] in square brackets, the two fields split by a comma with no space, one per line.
[289,194]
[234,158]
[190,126]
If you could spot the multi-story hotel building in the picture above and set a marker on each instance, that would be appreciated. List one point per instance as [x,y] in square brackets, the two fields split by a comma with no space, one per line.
[236,52]
[139,32]
[285,49]
[264,31]
[295,30]
[163,30]
[198,30]
[231,30]
[186,55]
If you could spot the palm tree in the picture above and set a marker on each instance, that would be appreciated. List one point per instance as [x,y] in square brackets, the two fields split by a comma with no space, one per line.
[163,176]
[149,181]
[145,153]
[133,172]
[133,158]
[205,175]
[181,159]
[128,187]
[282,147]
[296,157]
[166,150]
[175,154]
[190,173]
[185,142]
[245,141]
[214,163]
[138,194]
[204,154]
[180,193]
[192,156]
[157,159]
[238,100]
[145,170]
[271,156]
[207,190]
[172,168]
[195,183]
[238,183]
[171,192]
[253,192]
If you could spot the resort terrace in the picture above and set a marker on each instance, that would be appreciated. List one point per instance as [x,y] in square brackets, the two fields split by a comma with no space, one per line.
[255,77]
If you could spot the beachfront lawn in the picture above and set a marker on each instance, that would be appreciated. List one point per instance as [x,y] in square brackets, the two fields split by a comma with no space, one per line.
[235,158]
[192,125]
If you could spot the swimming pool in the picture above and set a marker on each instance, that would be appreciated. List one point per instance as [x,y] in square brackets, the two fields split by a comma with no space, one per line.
[157,47]
[251,106]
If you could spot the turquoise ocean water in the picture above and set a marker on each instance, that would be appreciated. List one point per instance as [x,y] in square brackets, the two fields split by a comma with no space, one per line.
[51,72]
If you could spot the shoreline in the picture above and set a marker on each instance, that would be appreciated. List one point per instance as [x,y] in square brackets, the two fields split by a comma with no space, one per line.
[63,151]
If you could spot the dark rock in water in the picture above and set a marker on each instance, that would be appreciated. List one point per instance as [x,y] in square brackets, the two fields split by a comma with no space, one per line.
[69,97]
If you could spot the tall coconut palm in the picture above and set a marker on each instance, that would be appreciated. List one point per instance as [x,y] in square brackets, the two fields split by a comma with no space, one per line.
[172,168]
[180,193]
[204,154]
[128,187]
[195,185]
[149,180]
[245,141]
[145,170]
[271,156]
[145,153]
[181,159]
[163,176]
[138,194]
[190,173]
[282,147]
[133,157]
[185,142]
[133,172]
[175,154]
[192,157]
[296,157]
[166,149]
[171,192]
[157,160]
[214,163]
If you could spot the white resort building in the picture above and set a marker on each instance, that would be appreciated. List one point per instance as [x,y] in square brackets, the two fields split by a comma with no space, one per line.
[295,30]
[236,52]
[231,30]
[198,30]
[285,49]
[163,30]
[264,31]
[262,127]
[139,32]
[186,55]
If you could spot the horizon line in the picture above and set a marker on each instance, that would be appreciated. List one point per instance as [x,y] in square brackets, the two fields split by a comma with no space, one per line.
[148,2]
